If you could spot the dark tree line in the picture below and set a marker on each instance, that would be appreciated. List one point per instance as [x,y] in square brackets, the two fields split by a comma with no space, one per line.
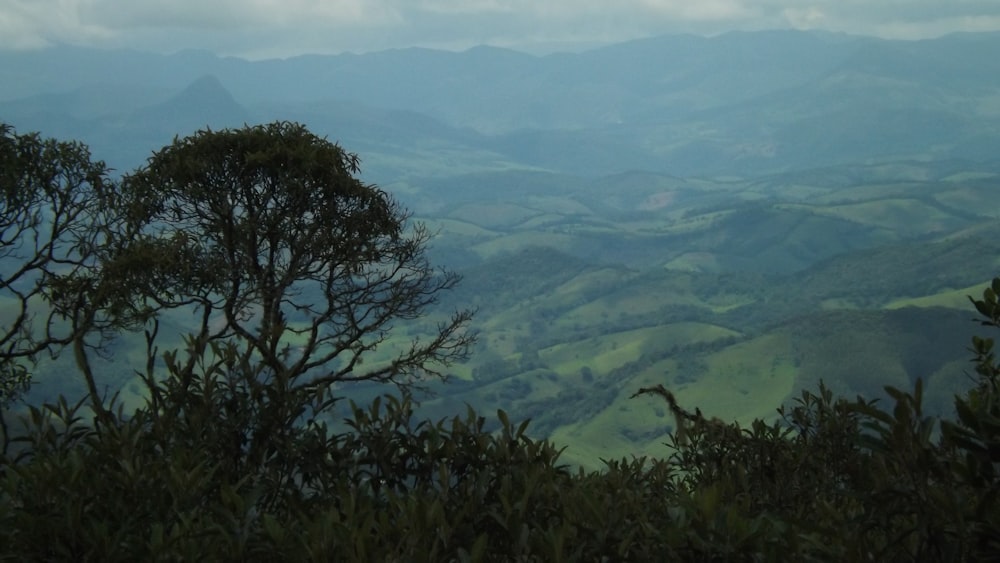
[292,270]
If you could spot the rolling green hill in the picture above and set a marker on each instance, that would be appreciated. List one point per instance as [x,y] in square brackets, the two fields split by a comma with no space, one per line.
[736,217]
[736,294]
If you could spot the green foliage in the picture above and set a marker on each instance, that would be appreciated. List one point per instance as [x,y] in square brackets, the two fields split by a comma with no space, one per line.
[225,469]
[14,380]
[282,253]
[235,455]
[51,222]
[266,234]
[387,489]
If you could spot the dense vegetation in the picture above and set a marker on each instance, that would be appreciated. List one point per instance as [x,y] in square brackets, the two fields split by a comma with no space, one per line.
[233,454]
[837,480]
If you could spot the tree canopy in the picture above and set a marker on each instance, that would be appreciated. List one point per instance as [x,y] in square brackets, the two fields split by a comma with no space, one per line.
[293,270]
[272,239]
[52,223]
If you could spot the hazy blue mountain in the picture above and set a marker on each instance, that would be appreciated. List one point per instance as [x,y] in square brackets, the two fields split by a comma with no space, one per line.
[739,103]
[127,138]
[204,101]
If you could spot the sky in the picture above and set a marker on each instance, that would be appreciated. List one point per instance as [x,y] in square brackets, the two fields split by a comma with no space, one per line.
[258,29]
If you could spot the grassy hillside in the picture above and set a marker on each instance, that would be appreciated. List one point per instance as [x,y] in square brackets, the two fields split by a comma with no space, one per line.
[736,303]
[734,293]
[653,229]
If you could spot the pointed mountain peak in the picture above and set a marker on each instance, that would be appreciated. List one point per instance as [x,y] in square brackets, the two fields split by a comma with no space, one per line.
[207,88]
[204,102]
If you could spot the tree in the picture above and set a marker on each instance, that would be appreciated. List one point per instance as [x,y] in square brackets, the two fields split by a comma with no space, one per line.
[295,272]
[268,234]
[51,223]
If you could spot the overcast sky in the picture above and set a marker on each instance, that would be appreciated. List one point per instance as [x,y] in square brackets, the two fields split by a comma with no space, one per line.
[280,28]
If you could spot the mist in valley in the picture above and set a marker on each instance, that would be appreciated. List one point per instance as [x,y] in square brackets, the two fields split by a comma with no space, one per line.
[736,217]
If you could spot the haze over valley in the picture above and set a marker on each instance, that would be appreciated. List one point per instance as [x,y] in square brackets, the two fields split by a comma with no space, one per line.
[736,217]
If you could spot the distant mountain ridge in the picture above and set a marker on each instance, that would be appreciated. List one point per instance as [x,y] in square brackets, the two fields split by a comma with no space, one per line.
[744,103]
[735,217]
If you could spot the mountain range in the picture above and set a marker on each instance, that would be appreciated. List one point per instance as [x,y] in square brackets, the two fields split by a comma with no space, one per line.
[736,217]
[740,103]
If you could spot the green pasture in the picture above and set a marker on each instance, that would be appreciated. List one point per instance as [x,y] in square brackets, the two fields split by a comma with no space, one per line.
[592,283]
[906,217]
[837,303]
[559,205]
[388,163]
[742,382]
[604,353]
[970,175]
[695,223]
[446,228]
[627,302]
[953,298]
[695,262]
[511,243]
[493,215]
[979,197]
[869,192]
[610,434]
[792,191]
[546,221]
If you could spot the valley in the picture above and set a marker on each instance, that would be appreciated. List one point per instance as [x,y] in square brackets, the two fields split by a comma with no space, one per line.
[764,212]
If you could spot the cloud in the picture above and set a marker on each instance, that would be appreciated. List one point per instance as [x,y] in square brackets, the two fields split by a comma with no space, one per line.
[910,29]
[260,28]
[896,19]
[28,24]
[235,14]
[239,27]
[809,17]
[704,10]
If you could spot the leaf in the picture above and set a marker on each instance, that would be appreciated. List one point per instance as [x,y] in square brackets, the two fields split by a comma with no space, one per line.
[156,537]
[966,416]
[503,418]
[272,528]
[983,308]
[903,413]
[232,499]
[521,429]
[896,394]
[478,551]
